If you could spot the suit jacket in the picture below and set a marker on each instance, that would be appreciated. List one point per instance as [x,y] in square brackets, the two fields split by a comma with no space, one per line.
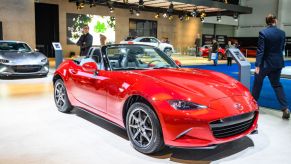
[85,42]
[270,48]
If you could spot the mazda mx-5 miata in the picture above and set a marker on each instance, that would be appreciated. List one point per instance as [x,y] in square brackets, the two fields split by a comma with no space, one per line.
[141,89]
[18,59]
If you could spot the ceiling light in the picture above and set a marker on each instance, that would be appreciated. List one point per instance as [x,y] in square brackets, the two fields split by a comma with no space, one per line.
[187,17]
[92,3]
[111,9]
[181,17]
[137,13]
[235,17]
[80,4]
[171,17]
[194,13]
[218,18]
[202,19]
[157,16]
[140,3]
[171,8]
[165,15]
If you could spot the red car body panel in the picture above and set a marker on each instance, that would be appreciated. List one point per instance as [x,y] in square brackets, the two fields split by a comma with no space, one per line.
[249,52]
[205,52]
[106,93]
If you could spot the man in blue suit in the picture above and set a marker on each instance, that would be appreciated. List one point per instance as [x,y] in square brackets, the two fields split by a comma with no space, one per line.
[270,62]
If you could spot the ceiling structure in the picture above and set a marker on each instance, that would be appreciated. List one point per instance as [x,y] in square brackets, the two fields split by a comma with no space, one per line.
[210,7]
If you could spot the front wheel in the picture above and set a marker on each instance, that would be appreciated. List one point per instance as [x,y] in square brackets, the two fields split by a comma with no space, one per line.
[143,129]
[61,97]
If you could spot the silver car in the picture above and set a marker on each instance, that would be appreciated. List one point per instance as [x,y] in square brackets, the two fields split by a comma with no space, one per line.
[18,59]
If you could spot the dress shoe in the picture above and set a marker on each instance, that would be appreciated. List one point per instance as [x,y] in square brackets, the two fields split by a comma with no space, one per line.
[286,114]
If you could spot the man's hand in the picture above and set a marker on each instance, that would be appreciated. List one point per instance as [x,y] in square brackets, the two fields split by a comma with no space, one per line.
[257,70]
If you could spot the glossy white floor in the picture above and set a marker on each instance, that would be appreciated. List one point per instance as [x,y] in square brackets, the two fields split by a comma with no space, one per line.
[33,131]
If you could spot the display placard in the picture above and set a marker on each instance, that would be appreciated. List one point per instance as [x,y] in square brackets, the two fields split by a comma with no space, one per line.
[57,46]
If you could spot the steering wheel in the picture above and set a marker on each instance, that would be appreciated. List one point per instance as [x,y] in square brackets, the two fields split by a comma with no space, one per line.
[152,65]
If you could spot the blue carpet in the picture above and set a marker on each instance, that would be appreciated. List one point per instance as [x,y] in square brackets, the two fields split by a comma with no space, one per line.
[268,98]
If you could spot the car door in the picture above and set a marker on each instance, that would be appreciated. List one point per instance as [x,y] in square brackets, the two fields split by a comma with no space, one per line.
[89,88]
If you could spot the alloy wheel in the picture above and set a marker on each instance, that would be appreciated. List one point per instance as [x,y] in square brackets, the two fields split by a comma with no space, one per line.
[140,127]
[60,95]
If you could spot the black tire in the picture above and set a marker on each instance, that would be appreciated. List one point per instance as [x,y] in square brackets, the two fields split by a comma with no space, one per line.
[156,142]
[168,51]
[61,97]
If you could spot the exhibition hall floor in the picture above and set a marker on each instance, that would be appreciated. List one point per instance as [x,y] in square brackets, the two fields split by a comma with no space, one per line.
[33,132]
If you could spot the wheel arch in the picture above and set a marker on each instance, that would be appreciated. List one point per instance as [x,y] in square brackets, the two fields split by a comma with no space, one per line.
[57,77]
[133,99]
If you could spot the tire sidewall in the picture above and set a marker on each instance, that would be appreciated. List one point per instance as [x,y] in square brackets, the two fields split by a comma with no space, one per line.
[67,107]
[157,137]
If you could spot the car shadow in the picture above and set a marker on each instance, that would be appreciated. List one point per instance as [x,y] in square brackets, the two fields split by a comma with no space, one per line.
[22,77]
[197,156]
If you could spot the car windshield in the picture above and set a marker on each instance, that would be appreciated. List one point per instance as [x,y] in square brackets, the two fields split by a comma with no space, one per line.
[130,57]
[14,46]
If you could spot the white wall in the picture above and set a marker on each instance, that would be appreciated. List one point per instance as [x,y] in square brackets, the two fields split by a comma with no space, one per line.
[251,24]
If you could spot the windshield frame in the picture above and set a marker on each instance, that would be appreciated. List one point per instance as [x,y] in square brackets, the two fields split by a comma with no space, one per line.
[12,42]
[157,50]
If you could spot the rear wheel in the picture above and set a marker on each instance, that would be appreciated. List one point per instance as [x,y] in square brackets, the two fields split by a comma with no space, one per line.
[143,129]
[61,97]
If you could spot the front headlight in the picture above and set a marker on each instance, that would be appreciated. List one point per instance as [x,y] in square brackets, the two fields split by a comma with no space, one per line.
[44,60]
[3,61]
[185,105]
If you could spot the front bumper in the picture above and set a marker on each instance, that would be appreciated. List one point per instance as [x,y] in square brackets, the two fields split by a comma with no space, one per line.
[205,128]
[23,70]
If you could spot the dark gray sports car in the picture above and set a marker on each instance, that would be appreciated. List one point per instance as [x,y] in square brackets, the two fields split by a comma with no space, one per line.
[18,59]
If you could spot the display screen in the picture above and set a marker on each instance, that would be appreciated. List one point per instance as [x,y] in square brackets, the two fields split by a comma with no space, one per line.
[240,56]
[99,27]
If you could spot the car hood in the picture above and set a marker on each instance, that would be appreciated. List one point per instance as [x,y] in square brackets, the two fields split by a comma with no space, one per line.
[22,57]
[204,84]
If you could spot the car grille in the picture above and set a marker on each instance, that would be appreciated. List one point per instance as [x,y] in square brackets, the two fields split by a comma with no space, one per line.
[26,68]
[233,125]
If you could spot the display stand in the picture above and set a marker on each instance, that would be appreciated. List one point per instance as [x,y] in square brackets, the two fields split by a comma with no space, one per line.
[58,53]
[244,66]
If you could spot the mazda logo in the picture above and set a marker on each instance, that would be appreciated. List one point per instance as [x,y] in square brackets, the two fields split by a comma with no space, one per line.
[238,106]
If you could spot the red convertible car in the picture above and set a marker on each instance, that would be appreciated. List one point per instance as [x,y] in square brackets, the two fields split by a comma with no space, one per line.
[141,89]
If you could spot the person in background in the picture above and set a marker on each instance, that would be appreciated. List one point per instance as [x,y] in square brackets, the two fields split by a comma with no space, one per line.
[228,54]
[103,39]
[270,61]
[214,55]
[85,41]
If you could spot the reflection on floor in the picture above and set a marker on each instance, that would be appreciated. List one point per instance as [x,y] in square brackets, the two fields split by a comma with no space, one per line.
[33,131]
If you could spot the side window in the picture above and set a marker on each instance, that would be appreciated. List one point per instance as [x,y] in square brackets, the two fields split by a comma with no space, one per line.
[154,40]
[145,40]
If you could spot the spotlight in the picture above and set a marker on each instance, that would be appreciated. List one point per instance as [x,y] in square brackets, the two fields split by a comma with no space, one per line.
[131,11]
[80,4]
[171,17]
[235,17]
[165,15]
[225,1]
[218,18]
[181,17]
[111,9]
[140,3]
[194,13]
[91,2]
[202,19]
[203,14]
[171,8]
[125,1]
[137,13]
[187,17]
[157,16]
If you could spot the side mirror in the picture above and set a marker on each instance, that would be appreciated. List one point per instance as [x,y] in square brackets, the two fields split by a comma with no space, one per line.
[36,50]
[178,63]
[90,67]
